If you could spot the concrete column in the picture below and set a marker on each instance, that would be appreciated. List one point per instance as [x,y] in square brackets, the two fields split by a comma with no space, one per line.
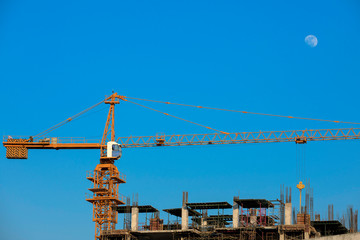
[134,219]
[282,236]
[253,220]
[235,215]
[203,222]
[253,217]
[287,213]
[281,233]
[184,218]
[184,212]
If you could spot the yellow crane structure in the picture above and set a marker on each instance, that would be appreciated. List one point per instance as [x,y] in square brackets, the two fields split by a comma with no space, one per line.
[106,178]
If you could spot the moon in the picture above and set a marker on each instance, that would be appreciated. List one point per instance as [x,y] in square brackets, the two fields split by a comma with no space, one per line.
[311,40]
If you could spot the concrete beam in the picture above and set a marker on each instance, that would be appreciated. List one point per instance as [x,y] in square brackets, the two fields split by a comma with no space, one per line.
[348,236]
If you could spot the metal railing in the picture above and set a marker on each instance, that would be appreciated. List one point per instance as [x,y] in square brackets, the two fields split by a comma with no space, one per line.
[52,140]
[121,197]
[73,140]
[89,195]
[122,176]
[89,174]
[172,225]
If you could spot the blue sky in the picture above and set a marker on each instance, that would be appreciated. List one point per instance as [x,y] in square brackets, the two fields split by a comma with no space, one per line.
[60,57]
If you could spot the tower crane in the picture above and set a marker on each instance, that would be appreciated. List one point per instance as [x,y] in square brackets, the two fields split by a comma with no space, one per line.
[106,178]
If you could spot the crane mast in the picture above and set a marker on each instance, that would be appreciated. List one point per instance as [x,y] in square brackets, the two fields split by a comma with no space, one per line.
[106,178]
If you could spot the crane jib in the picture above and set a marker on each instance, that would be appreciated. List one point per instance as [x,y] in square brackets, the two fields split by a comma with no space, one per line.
[17,147]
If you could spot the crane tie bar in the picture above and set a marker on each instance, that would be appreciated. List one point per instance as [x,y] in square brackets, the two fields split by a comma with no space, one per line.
[67,120]
[175,117]
[124,98]
[244,112]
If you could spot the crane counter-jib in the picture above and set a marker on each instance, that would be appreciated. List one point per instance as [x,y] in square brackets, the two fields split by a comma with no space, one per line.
[17,147]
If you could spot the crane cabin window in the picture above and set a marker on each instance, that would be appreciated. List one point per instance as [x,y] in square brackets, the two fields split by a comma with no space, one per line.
[115,147]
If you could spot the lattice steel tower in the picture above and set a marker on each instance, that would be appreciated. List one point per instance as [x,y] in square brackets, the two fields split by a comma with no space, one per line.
[106,177]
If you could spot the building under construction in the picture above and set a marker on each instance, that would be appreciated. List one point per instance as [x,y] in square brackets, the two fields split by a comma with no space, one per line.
[245,219]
